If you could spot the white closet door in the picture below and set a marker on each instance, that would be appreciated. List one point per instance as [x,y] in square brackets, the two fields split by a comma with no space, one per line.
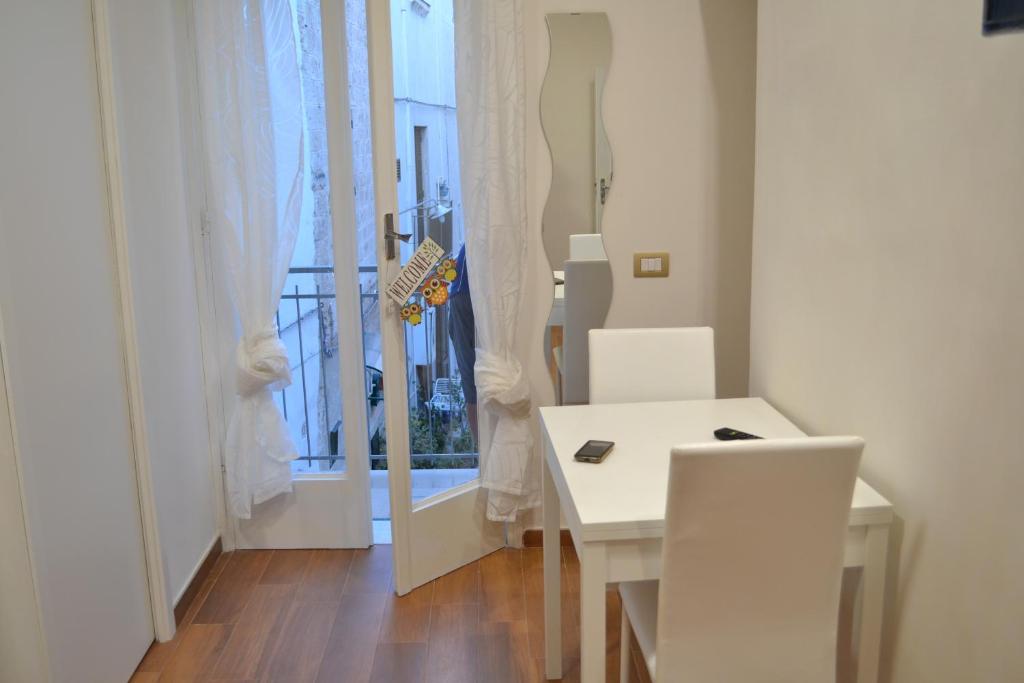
[22,653]
[64,349]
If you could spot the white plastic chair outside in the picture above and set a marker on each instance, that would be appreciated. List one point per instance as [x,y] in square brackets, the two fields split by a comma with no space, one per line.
[752,561]
[587,247]
[443,398]
[654,364]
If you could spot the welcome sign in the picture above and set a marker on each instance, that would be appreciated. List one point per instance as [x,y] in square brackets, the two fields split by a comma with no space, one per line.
[415,271]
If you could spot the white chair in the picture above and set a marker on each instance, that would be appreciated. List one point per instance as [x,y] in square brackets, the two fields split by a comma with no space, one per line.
[588,246]
[752,561]
[656,364]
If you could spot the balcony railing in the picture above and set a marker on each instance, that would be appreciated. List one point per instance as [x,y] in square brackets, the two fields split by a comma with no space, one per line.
[299,308]
[312,405]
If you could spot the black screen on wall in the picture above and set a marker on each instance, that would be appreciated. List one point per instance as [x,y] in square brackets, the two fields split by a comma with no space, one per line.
[1003,15]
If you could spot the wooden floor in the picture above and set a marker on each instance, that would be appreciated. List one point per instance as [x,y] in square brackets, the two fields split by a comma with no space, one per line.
[331,615]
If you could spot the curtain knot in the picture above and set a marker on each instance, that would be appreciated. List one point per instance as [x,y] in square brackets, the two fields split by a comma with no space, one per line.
[502,384]
[262,362]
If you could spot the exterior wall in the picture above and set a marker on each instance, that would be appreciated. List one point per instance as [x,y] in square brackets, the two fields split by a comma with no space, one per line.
[315,246]
[424,82]
[887,296]
[362,167]
[323,368]
[362,134]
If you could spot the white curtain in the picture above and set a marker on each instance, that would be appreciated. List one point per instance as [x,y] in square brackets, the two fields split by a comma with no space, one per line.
[490,92]
[252,118]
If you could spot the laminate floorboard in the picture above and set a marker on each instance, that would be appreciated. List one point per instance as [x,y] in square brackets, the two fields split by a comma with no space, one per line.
[332,616]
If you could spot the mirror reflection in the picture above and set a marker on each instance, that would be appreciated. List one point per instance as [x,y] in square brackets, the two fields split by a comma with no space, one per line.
[581,181]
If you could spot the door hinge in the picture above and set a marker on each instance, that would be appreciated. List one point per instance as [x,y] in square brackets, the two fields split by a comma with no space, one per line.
[398,169]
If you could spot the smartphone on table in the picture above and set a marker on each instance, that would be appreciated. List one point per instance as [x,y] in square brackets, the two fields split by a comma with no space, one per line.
[594,451]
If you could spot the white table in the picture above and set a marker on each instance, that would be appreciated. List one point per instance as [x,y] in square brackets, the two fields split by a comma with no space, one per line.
[616,511]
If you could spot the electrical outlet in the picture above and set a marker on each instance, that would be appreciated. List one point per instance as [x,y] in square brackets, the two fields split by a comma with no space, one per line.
[650,264]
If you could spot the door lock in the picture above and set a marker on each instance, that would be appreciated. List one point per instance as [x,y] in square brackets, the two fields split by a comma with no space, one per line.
[390,236]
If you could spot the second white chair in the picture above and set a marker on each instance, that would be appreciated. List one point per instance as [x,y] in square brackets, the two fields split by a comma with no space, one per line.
[652,364]
[587,247]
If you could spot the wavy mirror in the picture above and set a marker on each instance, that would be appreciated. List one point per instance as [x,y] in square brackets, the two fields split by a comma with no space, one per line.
[581,180]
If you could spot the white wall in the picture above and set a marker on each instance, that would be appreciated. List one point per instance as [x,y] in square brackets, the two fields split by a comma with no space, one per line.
[887,291]
[678,109]
[64,348]
[159,221]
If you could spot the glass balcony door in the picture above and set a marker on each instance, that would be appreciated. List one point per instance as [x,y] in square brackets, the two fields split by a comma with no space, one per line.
[436,503]
[335,393]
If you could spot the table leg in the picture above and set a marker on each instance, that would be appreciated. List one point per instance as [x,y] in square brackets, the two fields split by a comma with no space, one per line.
[593,643]
[876,549]
[552,578]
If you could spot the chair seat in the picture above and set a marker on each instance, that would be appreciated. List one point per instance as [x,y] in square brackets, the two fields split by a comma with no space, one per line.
[640,601]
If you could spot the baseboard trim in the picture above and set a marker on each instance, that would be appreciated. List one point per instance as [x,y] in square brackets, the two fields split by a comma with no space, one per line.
[192,589]
[534,538]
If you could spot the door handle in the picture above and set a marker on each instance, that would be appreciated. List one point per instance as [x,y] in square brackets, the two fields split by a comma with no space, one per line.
[390,236]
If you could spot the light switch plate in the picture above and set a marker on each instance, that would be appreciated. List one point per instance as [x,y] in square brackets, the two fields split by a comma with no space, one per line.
[650,264]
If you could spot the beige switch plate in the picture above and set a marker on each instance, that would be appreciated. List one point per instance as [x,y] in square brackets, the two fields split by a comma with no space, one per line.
[650,264]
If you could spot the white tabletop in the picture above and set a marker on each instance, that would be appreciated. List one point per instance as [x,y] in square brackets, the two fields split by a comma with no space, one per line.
[624,496]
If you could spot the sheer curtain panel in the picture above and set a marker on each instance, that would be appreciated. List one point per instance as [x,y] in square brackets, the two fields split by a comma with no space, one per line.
[252,126]
[490,91]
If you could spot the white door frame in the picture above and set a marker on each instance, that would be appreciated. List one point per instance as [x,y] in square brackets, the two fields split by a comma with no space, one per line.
[443,532]
[160,600]
[396,397]
[346,256]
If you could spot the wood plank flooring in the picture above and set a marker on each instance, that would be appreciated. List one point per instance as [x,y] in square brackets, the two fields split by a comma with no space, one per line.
[332,615]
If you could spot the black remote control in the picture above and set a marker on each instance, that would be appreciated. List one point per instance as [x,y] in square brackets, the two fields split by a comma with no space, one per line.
[730,434]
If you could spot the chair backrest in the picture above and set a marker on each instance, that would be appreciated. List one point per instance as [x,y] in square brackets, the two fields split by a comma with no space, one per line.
[655,364]
[588,295]
[445,386]
[752,559]
[587,247]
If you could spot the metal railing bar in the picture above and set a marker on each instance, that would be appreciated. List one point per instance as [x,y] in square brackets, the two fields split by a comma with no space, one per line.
[372,296]
[425,205]
[299,270]
[300,297]
[302,370]
[428,456]
[323,371]
[284,399]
